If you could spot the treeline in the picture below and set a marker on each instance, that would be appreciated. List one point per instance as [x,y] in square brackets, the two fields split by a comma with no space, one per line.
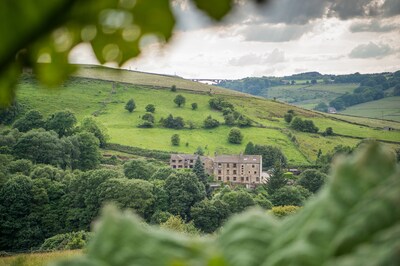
[372,87]
[55,141]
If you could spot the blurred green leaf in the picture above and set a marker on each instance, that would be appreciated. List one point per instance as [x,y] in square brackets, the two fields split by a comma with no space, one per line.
[215,9]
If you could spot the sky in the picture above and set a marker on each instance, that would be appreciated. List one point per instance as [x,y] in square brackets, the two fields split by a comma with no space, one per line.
[281,38]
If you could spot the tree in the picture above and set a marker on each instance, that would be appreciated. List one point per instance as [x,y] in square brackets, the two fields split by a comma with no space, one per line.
[229,119]
[276,180]
[90,125]
[31,120]
[238,201]
[208,215]
[312,180]
[148,117]
[162,173]
[270,155]
[235,136]
[288,117]
[130,105]
[16,202]
[10,113]
[194,106]
[249,148]
[184,190]
[138,169]
[303,125]
[199,151]
[173,88]
[150,108]
[328,131]
[171,122]
[39,146]
[175,140]
[313,81]
[62,123]
[322,107]
[243,121]
[290,195]
[89,152]
[179,100]
[128,193]
[210,122]
[198,170]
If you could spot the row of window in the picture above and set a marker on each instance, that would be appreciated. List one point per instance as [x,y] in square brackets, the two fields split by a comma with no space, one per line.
[235,178]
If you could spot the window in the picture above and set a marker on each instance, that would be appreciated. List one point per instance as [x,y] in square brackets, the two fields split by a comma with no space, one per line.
[247,178]
[179,161]
[255,172]
[227,171]
[191,161]
[234,172]
[228,165]
[219,172]
[227,178]
[253,166]
[257,179]
[174,161]
[190,166]
[234,178]
[234,165]
[219,178]
[174,166]
[242,179]
[180,166]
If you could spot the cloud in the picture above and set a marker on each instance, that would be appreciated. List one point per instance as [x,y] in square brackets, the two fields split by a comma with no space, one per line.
[391,8]
[276,56]
[371,50]
[274,33]
[372,26]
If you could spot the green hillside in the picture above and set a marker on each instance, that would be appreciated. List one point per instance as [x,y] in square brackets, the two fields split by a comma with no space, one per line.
[386,108]
[95,93]
[308,96]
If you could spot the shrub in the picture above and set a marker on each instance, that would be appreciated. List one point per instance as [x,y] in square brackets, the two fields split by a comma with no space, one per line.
[219,104]
[288,117]
[235,136]
[175,140]
[74,240]
[303,125]
[130,105]
[150,108]
[171,122]
[194,106]
[283,211]
[179,100]
[210,122]
[173,88]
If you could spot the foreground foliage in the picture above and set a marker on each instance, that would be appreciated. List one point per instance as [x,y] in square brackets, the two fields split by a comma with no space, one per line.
[353,221]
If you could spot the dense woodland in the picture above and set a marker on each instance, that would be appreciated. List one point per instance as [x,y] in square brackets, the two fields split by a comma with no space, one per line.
[53,180]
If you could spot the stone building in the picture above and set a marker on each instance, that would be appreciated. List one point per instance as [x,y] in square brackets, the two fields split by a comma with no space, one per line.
[240,169]
[187,161]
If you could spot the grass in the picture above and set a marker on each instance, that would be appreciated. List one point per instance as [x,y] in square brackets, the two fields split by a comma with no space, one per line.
[308,96]
[38,259]
[152,80]
[371,122]
[86,97]
[386,108]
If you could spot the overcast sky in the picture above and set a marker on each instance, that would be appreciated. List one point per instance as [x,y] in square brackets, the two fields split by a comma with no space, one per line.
[283,38]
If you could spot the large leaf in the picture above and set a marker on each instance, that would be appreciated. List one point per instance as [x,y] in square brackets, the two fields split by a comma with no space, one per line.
[355,220]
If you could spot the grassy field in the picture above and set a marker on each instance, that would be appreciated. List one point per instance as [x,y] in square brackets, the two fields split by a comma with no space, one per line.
[386,108]
[87,97]
[371,122]
[38,259]
[152,80]
[308,96]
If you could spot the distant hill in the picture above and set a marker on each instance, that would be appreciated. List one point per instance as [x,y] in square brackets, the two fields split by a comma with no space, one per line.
[313,90]
[103,92]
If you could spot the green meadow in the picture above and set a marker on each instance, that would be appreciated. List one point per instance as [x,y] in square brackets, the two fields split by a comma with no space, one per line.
[386,108]
[105,101]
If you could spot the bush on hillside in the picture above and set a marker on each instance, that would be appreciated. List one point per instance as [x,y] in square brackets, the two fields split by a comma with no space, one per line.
[67,241]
